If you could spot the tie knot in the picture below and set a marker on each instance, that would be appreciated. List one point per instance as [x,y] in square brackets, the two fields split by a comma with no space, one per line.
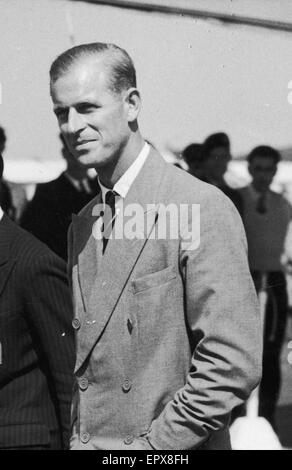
[110,198]
[108,216]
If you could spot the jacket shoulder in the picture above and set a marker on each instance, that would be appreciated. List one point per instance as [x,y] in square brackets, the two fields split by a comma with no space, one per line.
[87,210]
[186,187]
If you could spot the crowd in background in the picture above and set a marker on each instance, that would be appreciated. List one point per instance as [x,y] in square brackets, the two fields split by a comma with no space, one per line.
[265,214]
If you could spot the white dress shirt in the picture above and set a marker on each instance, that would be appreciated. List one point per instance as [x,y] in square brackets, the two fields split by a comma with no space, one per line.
[266,232]
[122,186]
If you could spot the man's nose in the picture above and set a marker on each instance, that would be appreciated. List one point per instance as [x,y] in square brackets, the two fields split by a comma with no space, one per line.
[75,121]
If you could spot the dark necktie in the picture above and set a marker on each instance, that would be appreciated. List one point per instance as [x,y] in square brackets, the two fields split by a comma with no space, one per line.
[108,216]
[261,206]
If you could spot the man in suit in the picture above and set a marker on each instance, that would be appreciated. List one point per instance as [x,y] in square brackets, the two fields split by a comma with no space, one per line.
[48,215]
[167,327]
[192,156]
[36,343]
[214,159]
[267,218]
[5,195]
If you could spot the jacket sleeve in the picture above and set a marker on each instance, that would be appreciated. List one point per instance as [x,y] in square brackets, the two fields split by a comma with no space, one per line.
[49,310]
[223,317]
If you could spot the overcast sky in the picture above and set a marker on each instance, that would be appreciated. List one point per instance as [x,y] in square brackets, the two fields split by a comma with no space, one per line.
[196,76]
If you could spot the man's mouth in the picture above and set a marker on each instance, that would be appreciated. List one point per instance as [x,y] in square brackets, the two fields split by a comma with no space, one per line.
[82,143]
[79,143]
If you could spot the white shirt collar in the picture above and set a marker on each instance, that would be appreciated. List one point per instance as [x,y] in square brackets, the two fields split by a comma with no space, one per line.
[1,213]
[123,185]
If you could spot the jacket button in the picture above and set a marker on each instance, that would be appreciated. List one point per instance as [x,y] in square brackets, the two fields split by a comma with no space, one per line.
[85,437]
[76,323]
[129,439]
[83,383]
[130,326]
[126,385]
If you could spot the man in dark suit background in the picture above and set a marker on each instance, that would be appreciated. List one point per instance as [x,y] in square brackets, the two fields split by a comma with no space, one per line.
[36,342]
[48,215]
[213,163]
[5,195]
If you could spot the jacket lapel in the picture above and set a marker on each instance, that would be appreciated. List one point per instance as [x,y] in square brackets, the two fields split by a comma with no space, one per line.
[85,249]
[115,269]
[5,270]
[119,259]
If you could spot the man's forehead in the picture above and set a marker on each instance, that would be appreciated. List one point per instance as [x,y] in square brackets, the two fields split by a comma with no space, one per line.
[82,77]
[219,151]
[263,161]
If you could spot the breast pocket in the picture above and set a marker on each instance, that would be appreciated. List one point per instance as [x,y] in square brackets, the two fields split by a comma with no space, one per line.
[152,280]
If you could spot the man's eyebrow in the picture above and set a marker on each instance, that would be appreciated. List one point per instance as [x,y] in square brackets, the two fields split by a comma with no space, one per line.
[85,103]
[76,105]
[59,108]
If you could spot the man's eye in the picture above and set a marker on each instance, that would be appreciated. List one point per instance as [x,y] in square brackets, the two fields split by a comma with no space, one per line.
[86,108]
[61,113]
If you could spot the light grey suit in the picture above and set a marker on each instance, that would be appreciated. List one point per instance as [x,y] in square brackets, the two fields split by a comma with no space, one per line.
[168,339]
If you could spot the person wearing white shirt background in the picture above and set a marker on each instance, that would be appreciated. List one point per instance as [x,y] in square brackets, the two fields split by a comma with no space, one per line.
[266,217]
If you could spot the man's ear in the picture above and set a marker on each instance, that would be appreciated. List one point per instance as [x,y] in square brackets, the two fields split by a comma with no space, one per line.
[275,171]
[133,100]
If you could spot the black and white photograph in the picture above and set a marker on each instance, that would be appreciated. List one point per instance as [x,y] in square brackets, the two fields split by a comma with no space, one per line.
[145,227]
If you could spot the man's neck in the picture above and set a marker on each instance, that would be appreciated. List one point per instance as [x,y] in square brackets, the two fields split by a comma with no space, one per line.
[109,175]
[260,191]
[215,181]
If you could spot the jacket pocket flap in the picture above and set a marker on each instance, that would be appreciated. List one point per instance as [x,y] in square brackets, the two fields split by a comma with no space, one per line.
[18,435]
[153,279]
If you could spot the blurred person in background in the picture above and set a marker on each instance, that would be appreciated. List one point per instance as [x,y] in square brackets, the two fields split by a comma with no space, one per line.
[5,195]
[36,343]
[215,156]
[48,215]
[192,156]
[266,217]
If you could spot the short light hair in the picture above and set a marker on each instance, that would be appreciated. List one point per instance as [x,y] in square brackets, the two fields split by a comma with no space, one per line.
[121,70]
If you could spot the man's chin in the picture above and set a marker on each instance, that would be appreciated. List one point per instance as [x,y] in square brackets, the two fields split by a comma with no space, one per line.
[84,159]
[88,160]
